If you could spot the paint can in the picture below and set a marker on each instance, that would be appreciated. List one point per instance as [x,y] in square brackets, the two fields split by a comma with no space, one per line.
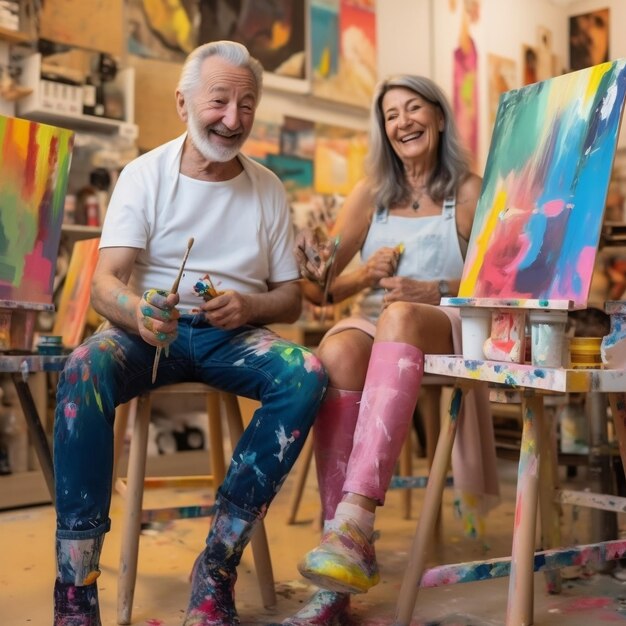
[22,330]
[50,345]
[585,352]
[475,330]
[507,341]
[547,335]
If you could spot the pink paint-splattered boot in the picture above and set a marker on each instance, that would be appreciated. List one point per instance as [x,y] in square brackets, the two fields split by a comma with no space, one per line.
[325,608]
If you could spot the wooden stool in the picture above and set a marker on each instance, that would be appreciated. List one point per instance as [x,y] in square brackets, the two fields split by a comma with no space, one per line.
[133,488]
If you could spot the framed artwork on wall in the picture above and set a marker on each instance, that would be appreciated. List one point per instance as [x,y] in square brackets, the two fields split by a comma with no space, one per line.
[343,50]
[274,31]
[589,39]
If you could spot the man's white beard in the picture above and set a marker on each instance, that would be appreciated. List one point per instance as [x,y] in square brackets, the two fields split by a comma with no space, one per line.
[209,150]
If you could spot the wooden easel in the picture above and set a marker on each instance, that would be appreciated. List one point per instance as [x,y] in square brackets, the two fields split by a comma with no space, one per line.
[20,363]
[34,166]
[488,285]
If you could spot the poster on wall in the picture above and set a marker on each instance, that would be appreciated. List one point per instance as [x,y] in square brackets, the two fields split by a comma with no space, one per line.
[588,39]
[274,32]
[538,220]
[343,50]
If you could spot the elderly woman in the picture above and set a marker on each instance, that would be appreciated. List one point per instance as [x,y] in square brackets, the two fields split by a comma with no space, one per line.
[410,219]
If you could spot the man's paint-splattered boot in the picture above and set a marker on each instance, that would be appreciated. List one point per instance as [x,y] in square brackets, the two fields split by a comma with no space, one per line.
[75,589]
[212,601]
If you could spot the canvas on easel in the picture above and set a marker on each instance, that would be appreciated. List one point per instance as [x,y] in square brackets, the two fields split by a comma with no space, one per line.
[539,216]
[34,166]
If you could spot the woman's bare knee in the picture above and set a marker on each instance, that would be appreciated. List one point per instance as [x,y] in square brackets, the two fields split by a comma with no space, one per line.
[345,357]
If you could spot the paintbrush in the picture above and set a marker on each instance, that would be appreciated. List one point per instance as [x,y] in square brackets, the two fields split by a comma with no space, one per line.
[399,251]
[157,355]
[329,274]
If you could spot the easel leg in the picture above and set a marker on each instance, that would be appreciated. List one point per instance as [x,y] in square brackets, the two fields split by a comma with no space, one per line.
[426,525]
[39,439]
[549,510]
[617,402]
[520,598]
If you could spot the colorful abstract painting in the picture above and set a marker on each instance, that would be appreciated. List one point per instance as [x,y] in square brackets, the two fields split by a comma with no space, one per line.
[538,219]
[272,30]
[74,304]
[34,166]
[343,50]
[339,157]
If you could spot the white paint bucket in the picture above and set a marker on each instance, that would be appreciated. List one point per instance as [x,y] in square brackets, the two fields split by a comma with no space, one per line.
[547,335]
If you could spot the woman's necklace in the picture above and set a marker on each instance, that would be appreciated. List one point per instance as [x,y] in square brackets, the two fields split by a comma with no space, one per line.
[416,203]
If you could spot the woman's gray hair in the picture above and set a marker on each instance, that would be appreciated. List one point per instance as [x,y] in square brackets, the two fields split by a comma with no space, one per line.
[235,53]
[385,169]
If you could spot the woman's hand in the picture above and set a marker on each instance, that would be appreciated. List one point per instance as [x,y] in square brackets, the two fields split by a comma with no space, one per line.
[402,289]
[157,317]
[312,250]
[382,264]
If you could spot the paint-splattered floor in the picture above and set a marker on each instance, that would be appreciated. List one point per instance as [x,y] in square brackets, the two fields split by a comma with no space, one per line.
[166,555]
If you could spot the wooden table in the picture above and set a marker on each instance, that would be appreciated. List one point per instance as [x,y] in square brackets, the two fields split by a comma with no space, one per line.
[536,484]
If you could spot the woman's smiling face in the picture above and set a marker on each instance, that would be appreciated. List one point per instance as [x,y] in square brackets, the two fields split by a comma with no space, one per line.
[412,123]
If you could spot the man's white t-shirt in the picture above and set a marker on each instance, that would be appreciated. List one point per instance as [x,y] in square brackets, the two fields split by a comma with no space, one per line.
[243,236]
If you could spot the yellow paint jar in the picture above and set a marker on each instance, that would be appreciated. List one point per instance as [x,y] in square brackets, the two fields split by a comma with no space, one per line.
[585,352]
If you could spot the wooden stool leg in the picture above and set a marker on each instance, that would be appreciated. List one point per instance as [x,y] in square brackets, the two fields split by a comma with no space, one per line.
[302,472]
[132,512]
[549,509]
[258,541]
[216,439]
[407,596]
[119,433]
[520,598]
[406,469]
[431,403]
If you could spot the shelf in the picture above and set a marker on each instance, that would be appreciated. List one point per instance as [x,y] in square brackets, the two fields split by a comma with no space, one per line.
[14,36]
[89,123]
[37,108]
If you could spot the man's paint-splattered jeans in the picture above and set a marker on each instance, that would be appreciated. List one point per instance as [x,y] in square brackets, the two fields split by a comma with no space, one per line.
[113,366]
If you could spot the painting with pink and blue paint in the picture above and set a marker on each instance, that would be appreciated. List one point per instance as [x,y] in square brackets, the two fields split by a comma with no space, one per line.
[539,216]
[34,166]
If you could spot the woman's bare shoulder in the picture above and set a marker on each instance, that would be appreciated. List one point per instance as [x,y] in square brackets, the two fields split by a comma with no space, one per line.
[469,192]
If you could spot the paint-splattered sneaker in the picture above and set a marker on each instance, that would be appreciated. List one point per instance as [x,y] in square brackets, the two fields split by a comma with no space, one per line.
[325,608]
[76,606]
[345,560]
[212,601]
